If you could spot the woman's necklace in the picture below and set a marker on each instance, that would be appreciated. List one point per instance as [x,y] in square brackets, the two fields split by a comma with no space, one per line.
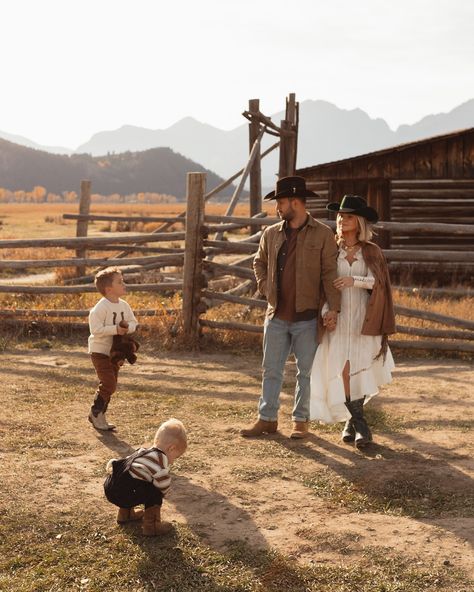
[351,247]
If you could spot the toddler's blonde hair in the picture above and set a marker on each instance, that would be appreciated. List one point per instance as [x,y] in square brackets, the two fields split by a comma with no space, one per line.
[170,432]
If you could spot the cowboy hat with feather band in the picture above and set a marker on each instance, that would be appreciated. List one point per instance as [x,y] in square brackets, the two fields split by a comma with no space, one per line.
[290,187]
[354,204]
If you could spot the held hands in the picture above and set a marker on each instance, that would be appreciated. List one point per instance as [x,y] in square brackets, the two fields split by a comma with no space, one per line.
[343,282]
[122,328]
[330,320]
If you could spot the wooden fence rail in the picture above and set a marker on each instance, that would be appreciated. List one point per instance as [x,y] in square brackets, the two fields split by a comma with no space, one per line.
[138,248]
[161,287]
[441,333]
[118,218]
[230,221]
[225,297]
[399,255]
[163,260]
[225,269]
[457,346]
[63,313]
[434,346]
[434,316]
[89,242]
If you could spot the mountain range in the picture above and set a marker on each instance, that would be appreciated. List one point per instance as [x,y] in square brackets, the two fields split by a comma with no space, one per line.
[158,170]
[326,133]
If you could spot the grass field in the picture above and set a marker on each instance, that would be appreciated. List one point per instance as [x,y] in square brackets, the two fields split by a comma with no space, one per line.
[45,220]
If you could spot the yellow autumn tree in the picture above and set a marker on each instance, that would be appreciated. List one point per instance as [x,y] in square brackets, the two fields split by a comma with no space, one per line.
[39,194]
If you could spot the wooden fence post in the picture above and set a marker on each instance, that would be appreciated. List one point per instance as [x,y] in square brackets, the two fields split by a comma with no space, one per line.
[192,272]
[288,139]
[255,171]
[292,115]
[82,225]
[283,169]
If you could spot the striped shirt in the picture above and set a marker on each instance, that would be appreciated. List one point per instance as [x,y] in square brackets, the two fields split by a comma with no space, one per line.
[152,467]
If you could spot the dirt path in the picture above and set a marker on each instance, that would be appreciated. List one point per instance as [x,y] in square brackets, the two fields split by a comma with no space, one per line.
[317,501]
[28,280]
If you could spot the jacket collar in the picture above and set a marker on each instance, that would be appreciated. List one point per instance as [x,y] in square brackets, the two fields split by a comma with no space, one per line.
[309,222]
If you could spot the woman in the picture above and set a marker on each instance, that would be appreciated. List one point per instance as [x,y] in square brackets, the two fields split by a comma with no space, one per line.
[353,359]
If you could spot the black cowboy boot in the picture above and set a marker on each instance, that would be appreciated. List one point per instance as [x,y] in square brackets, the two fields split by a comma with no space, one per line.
[363,435]
[348,432]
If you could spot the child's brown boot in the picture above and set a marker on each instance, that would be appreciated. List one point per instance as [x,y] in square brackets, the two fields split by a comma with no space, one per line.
[129,515]
[152,524]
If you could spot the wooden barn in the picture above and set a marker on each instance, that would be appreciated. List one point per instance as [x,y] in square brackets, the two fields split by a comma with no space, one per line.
[430,180]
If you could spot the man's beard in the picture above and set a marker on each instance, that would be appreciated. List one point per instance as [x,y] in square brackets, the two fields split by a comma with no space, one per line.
[287,216]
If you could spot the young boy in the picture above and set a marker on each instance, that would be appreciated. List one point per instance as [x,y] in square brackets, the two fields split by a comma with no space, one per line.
[104,323]
[143,478]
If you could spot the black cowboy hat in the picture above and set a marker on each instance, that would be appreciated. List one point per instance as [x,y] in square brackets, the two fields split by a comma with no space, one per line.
[354,204]
[290,187]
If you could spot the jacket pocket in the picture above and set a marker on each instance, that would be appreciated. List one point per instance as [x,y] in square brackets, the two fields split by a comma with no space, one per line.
[312,257]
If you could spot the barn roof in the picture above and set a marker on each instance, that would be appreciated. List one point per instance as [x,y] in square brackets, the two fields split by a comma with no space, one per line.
[446,155]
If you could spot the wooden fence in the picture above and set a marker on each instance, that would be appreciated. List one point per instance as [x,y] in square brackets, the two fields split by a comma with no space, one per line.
[209,269]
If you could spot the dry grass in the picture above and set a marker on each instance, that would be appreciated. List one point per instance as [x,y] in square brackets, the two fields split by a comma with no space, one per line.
[34,220]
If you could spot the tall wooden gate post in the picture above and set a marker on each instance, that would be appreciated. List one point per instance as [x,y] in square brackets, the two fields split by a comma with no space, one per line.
[288,139]
[193,254]
[82,225]
[255,171]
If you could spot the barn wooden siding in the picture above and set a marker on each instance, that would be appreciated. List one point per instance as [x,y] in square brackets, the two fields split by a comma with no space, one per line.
[428,180]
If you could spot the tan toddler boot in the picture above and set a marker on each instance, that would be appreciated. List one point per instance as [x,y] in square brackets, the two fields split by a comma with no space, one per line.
[129,515]
[152,524]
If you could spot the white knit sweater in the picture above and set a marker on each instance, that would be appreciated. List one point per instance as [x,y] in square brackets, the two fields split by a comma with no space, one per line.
[103,321]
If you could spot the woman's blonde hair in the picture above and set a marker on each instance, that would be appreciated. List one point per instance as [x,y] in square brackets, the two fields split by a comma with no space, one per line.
[364,234]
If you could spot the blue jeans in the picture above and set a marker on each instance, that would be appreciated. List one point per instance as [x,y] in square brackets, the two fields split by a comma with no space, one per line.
[280,338]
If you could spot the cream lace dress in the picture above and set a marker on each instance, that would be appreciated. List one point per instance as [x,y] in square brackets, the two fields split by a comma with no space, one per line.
[347,343]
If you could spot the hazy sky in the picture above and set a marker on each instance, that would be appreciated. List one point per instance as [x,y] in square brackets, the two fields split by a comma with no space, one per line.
[71,68]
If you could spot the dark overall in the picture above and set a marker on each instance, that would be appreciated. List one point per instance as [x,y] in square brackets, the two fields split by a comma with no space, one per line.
[124,491]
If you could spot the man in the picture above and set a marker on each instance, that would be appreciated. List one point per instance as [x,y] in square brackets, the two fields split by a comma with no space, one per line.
[296,260]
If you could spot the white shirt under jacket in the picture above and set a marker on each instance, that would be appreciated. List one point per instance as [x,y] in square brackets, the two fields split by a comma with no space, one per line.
[103,321]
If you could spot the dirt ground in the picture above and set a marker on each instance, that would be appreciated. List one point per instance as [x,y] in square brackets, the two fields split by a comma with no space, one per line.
[317,501]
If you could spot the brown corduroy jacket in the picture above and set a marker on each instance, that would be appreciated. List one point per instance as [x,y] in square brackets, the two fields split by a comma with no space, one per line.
[316,269]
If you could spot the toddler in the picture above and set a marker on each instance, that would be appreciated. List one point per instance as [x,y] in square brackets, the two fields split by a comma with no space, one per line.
[110,316]
[143,478]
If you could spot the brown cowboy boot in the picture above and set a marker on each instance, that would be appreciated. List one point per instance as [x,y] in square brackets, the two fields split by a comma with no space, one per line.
[300,430]
[259,428]
[152,524]
[129,515]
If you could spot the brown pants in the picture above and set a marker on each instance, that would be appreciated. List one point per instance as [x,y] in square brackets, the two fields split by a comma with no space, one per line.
[107,373]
